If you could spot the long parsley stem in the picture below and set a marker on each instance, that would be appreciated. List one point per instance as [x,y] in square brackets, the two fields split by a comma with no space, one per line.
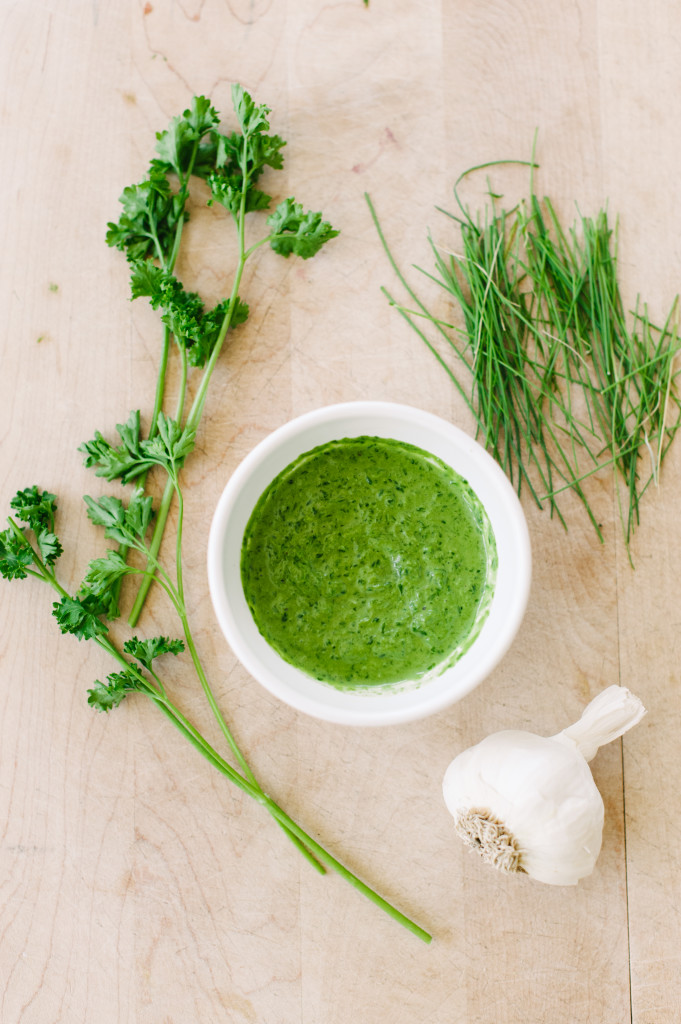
[182,389]
[177,597]
[309,846]
[154,547]
[289,825]
[191,646]
[153,423]
[192,423]
[326,858]
[311,850]
[160,381]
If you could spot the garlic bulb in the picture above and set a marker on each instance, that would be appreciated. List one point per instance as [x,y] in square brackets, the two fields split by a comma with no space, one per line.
[529,803]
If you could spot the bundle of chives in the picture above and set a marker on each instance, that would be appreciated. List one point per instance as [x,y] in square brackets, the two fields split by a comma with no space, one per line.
[559,383]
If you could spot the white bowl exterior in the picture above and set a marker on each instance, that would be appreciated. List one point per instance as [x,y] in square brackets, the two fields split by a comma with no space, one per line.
[434,435]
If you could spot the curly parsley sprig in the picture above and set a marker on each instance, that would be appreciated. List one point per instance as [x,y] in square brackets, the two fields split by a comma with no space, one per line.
[33,550]
[149,232]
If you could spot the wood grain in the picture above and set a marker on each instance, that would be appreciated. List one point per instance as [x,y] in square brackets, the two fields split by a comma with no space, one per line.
[136,886]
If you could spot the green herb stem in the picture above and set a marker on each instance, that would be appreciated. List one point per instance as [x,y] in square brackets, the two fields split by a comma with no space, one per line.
[160,381]
[288,824]
[177,597]
[315,853]
[192,423]
[291,827]
[326,858]
[196,409]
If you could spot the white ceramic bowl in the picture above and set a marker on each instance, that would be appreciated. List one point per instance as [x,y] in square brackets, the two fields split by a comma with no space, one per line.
[426,431]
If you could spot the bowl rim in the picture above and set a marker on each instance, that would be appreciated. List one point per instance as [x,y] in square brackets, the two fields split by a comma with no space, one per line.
[329,703]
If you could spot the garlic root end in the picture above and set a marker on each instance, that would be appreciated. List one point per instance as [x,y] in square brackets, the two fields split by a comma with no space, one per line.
[482,832]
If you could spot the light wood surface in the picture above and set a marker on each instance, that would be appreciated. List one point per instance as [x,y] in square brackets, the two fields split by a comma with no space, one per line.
[137,886]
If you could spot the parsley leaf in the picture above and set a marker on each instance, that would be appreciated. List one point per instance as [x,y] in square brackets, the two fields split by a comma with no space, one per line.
[195,329]
[105,696]
[146,650]
[35,508]
[108,512]
[227,191]
[79,616]
[176,146]
[133,456]
[203,335]
[126,526]
[50,547]
[15,555]
[295,230]
[241,159]
[148,279]
[102,578]
[235,152]
[126,460]
[171,445]
[151,213]
[252,117]
[139,513]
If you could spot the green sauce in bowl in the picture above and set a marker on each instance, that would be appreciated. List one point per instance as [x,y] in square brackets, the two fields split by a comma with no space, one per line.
[367,562]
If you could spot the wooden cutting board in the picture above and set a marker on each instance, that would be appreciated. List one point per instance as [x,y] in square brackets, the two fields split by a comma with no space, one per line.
[136,885]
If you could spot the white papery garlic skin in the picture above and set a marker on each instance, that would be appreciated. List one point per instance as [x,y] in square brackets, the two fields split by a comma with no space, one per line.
[529,803]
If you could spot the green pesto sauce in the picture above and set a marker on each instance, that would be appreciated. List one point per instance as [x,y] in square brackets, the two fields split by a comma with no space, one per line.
[368,561]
